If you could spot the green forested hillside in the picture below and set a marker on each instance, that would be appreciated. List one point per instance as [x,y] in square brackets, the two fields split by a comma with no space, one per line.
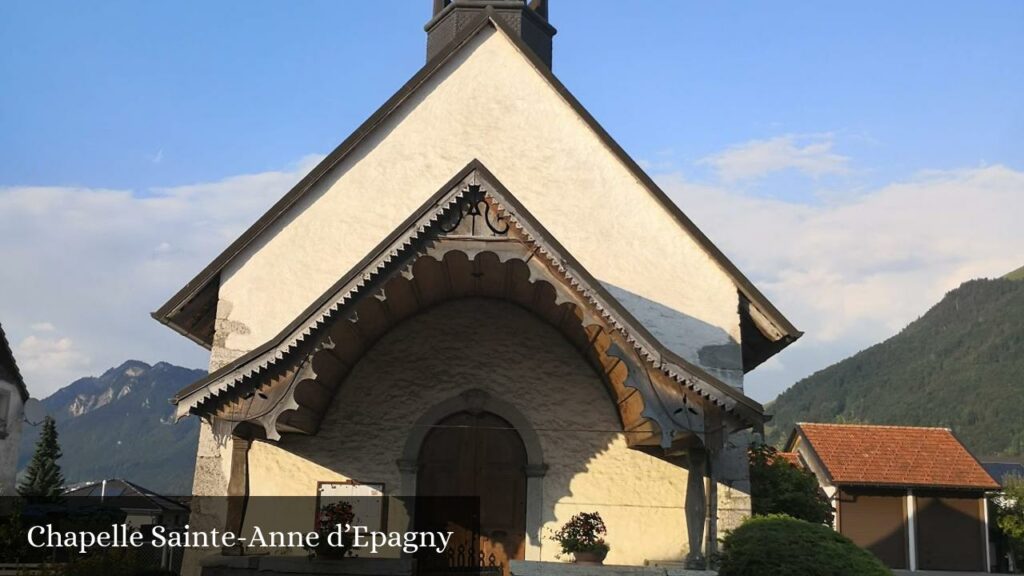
[961,365]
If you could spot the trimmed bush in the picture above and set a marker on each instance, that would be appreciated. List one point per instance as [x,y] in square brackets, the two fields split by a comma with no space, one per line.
[783,546]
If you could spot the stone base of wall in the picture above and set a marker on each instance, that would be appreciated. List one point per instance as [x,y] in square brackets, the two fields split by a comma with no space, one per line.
[527,568]
[298,566]
[301,566]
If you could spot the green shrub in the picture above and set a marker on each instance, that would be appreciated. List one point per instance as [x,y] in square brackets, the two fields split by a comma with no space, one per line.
[105,562]
[778,487]
[783,546]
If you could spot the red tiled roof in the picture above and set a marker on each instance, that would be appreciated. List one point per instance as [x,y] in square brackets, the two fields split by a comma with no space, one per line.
[791,457]
[894,456]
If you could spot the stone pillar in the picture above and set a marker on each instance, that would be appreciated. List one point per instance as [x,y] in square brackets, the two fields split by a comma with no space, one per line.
[535,514]
[696,507]
[210,486]
[730,468]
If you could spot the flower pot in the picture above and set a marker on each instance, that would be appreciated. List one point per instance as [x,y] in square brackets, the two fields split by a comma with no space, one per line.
[591,557]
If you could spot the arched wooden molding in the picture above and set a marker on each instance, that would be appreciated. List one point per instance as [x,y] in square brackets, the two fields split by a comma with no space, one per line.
[296,400]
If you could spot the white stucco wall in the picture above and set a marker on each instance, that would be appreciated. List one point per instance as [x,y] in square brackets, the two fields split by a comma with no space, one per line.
[808,456]
[9,443]
[489,103]
[506,351]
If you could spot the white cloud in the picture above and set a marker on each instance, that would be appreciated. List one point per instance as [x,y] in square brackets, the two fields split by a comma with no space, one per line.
[57,356]
[84,267]
[810,155]
[96,262]
[854,272]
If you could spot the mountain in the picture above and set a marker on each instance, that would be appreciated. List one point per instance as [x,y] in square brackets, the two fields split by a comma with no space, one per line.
[120,425]
[960,365]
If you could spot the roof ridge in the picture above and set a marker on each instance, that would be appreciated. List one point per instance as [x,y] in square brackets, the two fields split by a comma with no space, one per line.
[898,426]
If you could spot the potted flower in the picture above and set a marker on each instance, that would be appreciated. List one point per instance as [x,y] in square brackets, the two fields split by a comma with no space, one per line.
[329,518]
[583,537]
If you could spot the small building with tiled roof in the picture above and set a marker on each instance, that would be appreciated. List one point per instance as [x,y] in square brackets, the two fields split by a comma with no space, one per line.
[13,395]
[915,497]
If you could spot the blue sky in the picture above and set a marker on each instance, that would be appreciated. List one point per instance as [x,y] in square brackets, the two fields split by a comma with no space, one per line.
[804,113]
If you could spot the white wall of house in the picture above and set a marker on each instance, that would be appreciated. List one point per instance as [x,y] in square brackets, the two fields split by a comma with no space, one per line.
[808,457]
[489,103]
[11,417]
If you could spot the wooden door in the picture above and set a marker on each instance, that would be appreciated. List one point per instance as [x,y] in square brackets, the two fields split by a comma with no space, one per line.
[877,521]
[480,456]
[950,531]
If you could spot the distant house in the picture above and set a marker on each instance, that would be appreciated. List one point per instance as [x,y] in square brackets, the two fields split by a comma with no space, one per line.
[1002,469]
[143,510]
[915,497]
[142,506]
[13,395]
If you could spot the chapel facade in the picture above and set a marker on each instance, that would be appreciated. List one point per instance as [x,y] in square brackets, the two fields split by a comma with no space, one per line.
[480,293]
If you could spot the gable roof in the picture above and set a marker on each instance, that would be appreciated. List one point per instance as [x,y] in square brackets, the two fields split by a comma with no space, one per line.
[127,493]
[764,330]
[905,456]
[421,228]
[9,368]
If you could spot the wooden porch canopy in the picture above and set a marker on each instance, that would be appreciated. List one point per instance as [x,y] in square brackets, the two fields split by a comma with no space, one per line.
[471,239]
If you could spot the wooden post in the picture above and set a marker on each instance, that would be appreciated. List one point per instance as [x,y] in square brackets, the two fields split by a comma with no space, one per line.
[711,531]
[696,507]
[238,491]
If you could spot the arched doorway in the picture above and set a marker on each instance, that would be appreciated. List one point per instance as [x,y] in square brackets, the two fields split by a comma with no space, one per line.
[479,455]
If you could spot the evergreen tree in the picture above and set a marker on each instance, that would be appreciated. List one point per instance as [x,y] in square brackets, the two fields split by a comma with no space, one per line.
[43,480]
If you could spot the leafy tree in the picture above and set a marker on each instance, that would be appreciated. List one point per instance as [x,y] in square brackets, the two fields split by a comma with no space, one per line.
[43,480]
[778,487]
[1010,516]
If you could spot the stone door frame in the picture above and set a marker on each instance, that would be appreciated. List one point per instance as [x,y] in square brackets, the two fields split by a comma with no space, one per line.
[476,401]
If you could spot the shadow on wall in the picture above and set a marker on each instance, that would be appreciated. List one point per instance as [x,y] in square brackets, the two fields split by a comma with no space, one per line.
[513,357]
[696,341]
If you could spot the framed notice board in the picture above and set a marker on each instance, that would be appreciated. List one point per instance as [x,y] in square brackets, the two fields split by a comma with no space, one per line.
[369,505]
